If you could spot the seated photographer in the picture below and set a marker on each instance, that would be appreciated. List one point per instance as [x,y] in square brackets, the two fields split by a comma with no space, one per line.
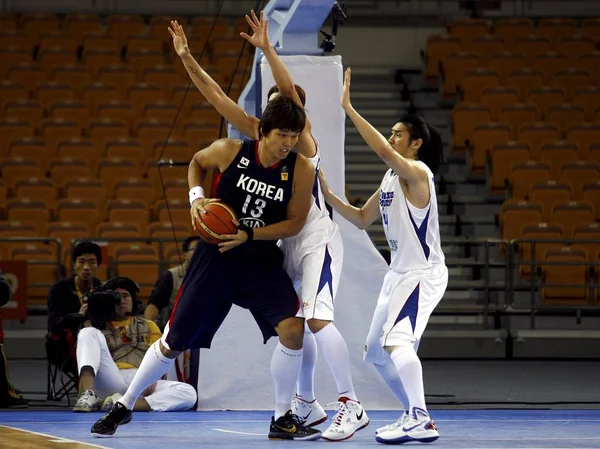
[162,299]
[111,347]
[9,398]
[67,306]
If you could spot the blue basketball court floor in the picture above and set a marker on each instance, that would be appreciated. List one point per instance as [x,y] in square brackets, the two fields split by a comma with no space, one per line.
[472,429]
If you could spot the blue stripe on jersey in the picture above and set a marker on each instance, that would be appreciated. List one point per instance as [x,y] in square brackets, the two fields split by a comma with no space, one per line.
[315,191]
[326,276]
[421,231]
[410,309]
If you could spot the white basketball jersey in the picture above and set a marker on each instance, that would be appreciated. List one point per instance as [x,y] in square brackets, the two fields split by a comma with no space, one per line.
[413,234]
[318,215]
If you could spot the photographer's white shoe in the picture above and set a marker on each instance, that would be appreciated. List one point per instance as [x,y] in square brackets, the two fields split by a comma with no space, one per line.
[87,402]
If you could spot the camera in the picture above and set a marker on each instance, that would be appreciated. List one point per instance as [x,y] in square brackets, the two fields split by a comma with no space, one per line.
[101,307]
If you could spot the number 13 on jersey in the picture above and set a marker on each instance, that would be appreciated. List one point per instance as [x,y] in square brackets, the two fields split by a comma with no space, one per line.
[256,209]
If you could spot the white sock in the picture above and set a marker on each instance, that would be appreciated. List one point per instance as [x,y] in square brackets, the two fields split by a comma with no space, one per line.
[285,366]
[306,378]
[389,373]
[154,365]
[410,373]
[335,352]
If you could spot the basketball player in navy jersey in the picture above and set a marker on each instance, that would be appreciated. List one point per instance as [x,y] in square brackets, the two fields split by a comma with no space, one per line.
[270,189]
[417,280]
[313,258]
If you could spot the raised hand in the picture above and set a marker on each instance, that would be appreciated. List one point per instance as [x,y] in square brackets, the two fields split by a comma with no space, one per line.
[346,90]
[259,38]
[179,39]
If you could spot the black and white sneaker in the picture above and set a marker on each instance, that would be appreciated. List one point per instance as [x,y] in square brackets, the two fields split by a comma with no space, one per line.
[288,427]
[108,424]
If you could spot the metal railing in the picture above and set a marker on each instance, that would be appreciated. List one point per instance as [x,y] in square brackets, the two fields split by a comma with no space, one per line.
[498,294]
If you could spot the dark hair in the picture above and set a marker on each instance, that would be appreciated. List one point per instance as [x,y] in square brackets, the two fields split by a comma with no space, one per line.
[299,91]
[431,151]
[282,113]
[187,242]
[126,284]
[86,247]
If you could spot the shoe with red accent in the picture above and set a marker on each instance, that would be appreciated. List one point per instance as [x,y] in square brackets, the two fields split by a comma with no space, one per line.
[350,418]
[417,427]
[310,413]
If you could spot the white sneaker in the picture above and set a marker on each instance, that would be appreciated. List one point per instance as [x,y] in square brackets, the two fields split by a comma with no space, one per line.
[87,402]
[418,426]
[394,425]
[350,418]
[108,403]
[310,413]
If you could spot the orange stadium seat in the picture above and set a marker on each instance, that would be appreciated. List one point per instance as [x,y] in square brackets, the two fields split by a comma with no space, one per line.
[524,80]
[145,271]
[539,231]
[66,231]
[564,266]
[453,66]
[464,119]
[525,175]
[571,79]
[579,172]
[575,47]
[549,63]
[13,169]
[53,58]
[7,22]
[33,147]
[28,74]
[129,209]
[589,99]
[591,64]
[506,63]
[122,26]
[76,209]
[517,114]
[571,213]
[96,59]
[594,151]
[42,269]
[110,170]
[162,75]
[75,75]
[74,110]
[55,129]
[485,46]
[63,169]
[30,210]
[104,129]
[43,189]
[176,150]
[143,41]
[127,148]
[117,110]
[36,24]
[590,191]
[545,96]
[196,131]
[467,29]
[141,94]
[556,153]
[162,111]
[50,91]
[140,60]
[150,130]
[531,46]
[510,29]
[140,189]
[475,81]
[591,27]
[206,113]
[503,157]
[584,135]
[485,136]
[57,39]
[537,133]
[201,26]
[11,56]
[548,194]
[99,41]
[86,187]
[95,93]
[178,211]
[517,213]
[158,26]
[590,232]
[11,91]
[77,148]
[117,75]
[80,25]
[25,109]
[498,97]
[556,28]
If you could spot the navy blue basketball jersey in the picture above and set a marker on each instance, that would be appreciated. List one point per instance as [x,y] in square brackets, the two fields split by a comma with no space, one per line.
[259,195]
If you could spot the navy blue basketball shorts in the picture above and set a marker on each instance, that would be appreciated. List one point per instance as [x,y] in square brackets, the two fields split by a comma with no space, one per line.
[214,282]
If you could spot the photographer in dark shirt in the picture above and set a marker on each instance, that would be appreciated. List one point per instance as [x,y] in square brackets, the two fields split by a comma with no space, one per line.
[67,305]
[9,398]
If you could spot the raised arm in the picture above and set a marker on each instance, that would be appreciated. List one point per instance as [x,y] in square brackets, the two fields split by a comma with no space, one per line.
[361,217]
[224,105]
[405,168]
[285,84]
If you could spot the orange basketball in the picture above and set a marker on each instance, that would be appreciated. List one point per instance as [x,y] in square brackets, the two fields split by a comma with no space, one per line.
[215,222]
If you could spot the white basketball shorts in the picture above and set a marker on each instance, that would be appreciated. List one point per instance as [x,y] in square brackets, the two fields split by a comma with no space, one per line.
[405,304]
[314,263]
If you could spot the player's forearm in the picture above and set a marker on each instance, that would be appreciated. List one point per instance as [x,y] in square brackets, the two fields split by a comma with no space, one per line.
[282,230]
[283,79]
[371,136]
[353,214]
[202,80]
[196,174]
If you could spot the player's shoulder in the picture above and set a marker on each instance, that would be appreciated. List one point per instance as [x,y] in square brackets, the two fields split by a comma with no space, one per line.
[303,164]
[226,143]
